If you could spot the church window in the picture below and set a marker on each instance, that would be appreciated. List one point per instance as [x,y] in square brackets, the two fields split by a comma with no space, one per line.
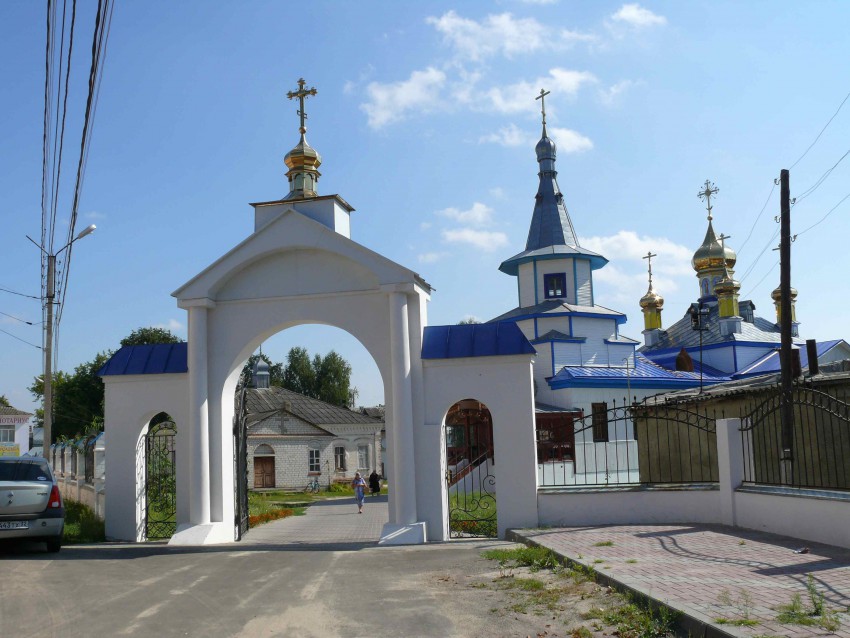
[555,285]
[363,457]
[339,458]
[315,461]
[600,422]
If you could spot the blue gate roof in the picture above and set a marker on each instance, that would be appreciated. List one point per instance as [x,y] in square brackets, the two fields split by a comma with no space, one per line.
[155,358]
[474,340]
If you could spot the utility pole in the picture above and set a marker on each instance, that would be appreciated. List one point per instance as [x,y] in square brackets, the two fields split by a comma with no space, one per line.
[49,297]
[787,409]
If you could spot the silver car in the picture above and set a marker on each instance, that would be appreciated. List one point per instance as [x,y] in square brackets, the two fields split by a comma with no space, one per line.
[31,507]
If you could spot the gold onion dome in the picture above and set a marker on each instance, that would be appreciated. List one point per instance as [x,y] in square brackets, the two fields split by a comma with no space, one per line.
[776,295]
[713,254]
[727,285]
[652,299]
[303,156]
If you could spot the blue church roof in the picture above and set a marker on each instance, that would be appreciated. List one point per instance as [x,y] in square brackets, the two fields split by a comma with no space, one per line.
[474,340]
[769,363]
[156,358]
[644,374]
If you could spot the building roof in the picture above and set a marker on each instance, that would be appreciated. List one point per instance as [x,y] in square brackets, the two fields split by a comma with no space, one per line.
[682,335]
[474,340]
[511,265]
[10,411]
[644,374]
[263,402]
[155,358]
[559,307]
[769,363]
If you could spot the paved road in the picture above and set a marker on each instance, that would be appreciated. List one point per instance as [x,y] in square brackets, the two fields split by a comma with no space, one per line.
[273,584]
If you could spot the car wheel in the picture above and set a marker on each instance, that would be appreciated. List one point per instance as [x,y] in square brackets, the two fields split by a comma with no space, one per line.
[53,544]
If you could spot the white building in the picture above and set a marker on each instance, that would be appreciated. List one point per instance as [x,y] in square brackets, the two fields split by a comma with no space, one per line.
[14,431]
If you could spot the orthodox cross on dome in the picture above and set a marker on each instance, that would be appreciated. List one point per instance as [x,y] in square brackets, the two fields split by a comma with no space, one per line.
[301,93]
[649,255]
[709,189]
[542,98]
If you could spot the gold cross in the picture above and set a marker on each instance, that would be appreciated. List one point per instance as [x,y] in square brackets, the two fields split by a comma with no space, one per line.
[542,98]
[709,190]
[301,93]
[649,255]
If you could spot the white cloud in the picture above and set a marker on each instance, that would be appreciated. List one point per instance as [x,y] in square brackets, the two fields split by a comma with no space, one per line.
[484,239]
[173,325]
[390,102]
[673,260]
[479,215]
[610,95]
[510,135]
[95,215]
[430,258]
[569,141]
[636,16]
[569,38]
[496,34]
[517,98]
[424,225]
[498,192]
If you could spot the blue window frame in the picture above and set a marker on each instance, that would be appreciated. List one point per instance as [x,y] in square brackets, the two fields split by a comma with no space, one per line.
[555,285]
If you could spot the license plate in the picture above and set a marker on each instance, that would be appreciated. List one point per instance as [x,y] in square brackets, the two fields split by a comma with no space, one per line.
[14,525]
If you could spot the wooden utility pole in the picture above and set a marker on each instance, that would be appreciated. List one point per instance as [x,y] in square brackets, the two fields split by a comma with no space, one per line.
[787,413]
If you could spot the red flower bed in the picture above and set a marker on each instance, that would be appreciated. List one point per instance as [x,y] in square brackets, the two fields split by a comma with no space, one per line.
[259,519]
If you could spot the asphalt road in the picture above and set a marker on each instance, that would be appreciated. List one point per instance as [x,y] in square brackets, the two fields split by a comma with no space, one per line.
[278,583]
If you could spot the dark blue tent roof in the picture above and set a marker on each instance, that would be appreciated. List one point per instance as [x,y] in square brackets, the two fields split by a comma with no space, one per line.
[156,358]
[474,340]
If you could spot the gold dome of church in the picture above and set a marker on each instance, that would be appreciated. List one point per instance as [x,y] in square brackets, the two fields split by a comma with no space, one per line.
[652,299]
[303,156]
[776,295]
[712,253]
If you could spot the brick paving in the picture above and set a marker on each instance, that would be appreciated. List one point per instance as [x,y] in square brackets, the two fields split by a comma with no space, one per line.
[333,523]
[712,572]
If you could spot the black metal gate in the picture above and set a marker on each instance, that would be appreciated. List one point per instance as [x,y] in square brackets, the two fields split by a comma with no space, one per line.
[240,457]
[160,481]
[470,480]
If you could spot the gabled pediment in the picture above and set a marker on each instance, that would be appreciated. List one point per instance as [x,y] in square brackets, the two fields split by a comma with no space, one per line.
[294,255]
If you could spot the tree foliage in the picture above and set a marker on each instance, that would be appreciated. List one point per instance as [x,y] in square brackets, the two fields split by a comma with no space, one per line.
[468,320]
[325,378]
[4,401]
[144,336]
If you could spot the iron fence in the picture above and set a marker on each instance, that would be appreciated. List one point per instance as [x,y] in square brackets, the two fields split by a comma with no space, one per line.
[628,444]
[820,444]
[88,458]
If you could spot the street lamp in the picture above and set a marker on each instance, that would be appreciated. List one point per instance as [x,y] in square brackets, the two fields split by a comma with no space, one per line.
[48,342]
[698,313]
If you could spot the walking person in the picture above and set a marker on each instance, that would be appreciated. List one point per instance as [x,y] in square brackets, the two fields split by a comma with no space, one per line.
[375,483]
[359,486]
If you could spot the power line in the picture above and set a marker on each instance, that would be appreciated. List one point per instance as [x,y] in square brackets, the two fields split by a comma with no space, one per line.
[821,180]
[825,216]
[763,251]
[755,287]
[20,294]
[821,132]
[19,339]
[766,202]
[16,318]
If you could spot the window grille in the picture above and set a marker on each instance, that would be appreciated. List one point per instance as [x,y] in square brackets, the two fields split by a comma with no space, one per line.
[600,422]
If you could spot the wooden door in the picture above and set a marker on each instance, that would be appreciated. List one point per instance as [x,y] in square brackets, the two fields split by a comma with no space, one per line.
[263,471]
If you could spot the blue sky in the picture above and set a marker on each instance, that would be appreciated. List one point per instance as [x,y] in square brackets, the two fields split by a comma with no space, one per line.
[426,122]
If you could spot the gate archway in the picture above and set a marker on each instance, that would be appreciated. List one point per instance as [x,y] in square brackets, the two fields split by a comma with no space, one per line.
[160,479]
[470,470]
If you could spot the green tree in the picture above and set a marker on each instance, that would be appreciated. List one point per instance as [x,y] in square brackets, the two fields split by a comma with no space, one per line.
[144,336]
[299,375]
[4,401]
[333,380]
[468,320]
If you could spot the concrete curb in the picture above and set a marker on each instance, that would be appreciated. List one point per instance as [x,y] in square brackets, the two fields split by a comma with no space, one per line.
[686,625]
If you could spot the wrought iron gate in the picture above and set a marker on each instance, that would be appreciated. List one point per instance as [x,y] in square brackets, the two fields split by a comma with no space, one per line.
[240,457]
[470,480]
[160,481]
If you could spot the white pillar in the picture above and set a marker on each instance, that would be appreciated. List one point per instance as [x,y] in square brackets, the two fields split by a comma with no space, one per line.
[402,481]
[730,466]
[199,439]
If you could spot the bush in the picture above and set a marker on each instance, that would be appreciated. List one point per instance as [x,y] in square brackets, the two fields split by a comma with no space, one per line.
[266,517]
[81,525]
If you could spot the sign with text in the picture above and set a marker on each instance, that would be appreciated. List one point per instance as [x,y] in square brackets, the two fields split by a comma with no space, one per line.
[10,449]
[14,419]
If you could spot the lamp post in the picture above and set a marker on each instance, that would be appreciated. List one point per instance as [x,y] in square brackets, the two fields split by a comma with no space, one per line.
[48,341]
[698,311]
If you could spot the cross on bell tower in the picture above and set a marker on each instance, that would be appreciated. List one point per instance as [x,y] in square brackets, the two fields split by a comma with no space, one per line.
[709,189]
[302,161]
[542,98]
